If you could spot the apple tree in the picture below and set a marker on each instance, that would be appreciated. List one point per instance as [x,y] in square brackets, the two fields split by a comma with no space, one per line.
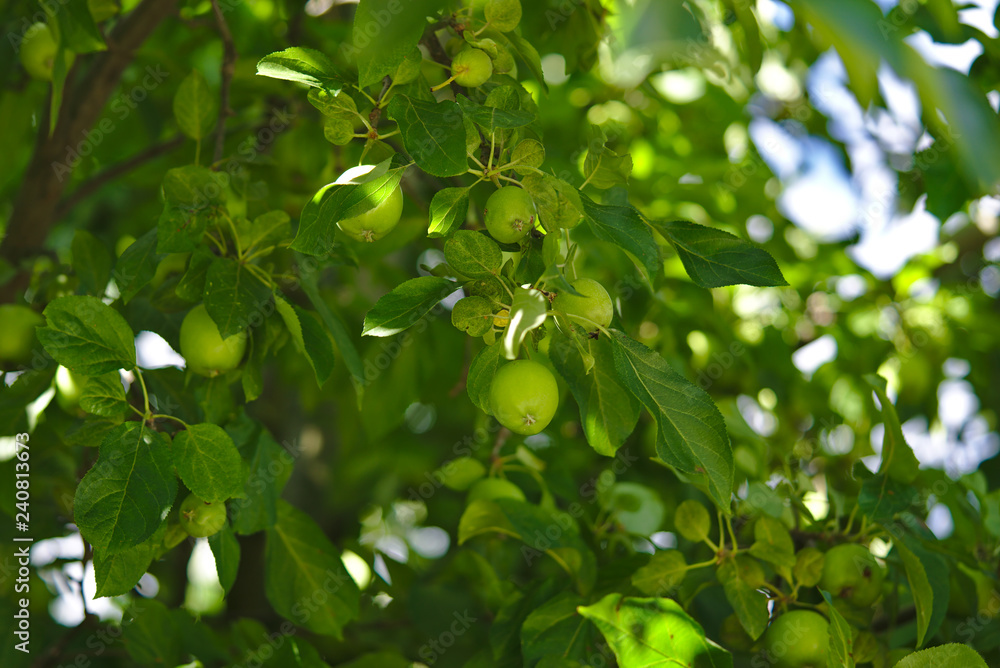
[495,333]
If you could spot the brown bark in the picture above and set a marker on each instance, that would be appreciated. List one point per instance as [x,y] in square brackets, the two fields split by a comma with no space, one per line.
[36,204]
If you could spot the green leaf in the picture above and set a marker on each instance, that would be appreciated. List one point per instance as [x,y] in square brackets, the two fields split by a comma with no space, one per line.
[191,285]
[299,563]
[952,655]
[124,497]
[234,297]
[76,28]
[528,154]
[773,542]
[473,254]
[336,201]
[555,629]
[268,229]
[938,573]
[385,31]
[691,434]
[662,575]
[691,519]
[492,119]
[749,605]
[428,133]
[527,312]
[117,573]
[191,195]
[624,227]
[87,336]
[270,466]
[881,498]
[104,395]
[208,462]
[559,204]
[524,50]
[504,15]
[448,210]
[482,370]
[841,636]
[713,258]
[92,263]
[309,337]
[406,305]
[195,107]
[603,167]
[808,569]
[338,330]
[608,412]
[151,634]
[533,525]
[302,65]
[473,315]
[898,460]
[654,632]
[137,265]
[226,550]
[920,588]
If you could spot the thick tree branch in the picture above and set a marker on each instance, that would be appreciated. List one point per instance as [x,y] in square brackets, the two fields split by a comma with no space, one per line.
[52,163]
[228,67]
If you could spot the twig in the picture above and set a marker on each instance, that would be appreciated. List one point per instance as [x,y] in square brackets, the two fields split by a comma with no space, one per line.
[376,111]
[228,67]
[93,185]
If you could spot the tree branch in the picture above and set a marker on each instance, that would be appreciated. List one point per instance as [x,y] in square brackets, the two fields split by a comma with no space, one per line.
[93,185]
[52,162]
[228,67]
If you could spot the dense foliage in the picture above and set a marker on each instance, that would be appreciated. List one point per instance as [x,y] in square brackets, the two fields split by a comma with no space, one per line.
[505,341]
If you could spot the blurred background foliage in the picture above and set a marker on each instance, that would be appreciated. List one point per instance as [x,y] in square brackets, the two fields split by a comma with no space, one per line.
[856,141]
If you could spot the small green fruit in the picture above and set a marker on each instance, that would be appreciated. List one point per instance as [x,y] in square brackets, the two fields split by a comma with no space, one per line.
[471,67]
[69,389]
[201,518]
[378,221]
[852,573]
[510,214]
[595,304]
[797,639]
[524,396]
[38,51]
[17,334]
[460,473]
[204,349]
[491,489]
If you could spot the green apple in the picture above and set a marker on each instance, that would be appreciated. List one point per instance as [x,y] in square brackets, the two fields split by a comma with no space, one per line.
[595,304]
[204,349]
[471,67]
[376,222]
[202,518]
[17,334]
[69,388]
[524,396]
[852,573]
[509,214]
[797,639]
[38,52]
